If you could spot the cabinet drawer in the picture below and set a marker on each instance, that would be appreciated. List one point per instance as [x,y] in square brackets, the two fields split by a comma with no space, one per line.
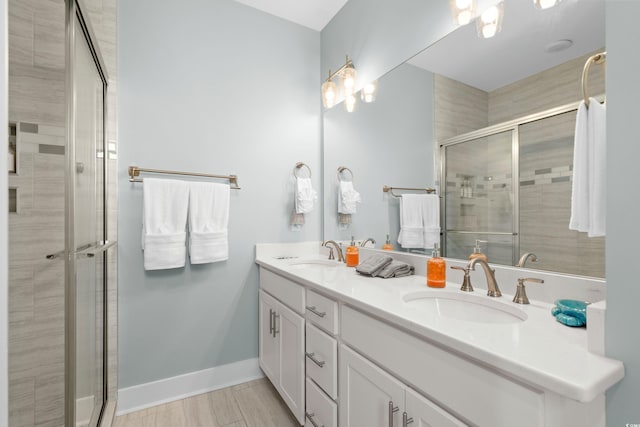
[322,360]
[290,293]
[322,311]
[490,399]
[320,409]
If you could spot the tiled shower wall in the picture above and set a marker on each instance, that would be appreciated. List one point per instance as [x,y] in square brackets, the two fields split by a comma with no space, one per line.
[546,156]
[36,285]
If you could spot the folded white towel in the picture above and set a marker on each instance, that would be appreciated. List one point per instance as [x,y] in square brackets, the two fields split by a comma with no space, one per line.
[411,229]
[588,192]
[208,221]
[164,221]
[305,195]
[419,221]
[347,198]
[430,220]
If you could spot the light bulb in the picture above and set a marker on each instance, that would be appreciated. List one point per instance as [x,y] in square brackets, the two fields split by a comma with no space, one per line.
[489,30]
[545,4]
[329,94]
[350,103]
[463,4]
[463,11]
[464,17]
[489,15]
[368,93]
[349,80]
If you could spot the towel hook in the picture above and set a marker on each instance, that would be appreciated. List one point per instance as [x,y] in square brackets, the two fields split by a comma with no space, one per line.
[299,166]
[341,170]
[599,58]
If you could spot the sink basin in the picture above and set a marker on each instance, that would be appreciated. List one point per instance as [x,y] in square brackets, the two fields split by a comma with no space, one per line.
[313,264]
[466,307]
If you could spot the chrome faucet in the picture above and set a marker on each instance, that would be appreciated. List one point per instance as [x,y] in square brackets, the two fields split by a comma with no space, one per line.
[523,259]
[326,244]
[370,239]
[492,285]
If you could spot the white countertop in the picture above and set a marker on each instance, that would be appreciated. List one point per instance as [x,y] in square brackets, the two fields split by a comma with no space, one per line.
[539,350]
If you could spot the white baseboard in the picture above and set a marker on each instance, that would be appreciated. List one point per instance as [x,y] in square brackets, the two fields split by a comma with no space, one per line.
[142,396]
[84,409]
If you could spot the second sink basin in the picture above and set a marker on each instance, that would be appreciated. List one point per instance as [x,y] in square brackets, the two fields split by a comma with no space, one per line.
[313,264]
[466,307]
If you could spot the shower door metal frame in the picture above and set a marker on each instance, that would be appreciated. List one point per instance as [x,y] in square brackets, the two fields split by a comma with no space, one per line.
[75,9]
[510,125]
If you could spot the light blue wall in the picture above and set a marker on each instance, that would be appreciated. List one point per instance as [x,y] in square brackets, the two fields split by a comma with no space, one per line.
[209,86]
[623,231]
[387,142]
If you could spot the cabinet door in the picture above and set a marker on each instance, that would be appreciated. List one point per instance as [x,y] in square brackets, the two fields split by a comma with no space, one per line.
[290,331]
[426,414]
[269,345]
[366,393]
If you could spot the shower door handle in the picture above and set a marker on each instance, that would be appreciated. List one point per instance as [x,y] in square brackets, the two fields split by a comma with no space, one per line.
[93,250]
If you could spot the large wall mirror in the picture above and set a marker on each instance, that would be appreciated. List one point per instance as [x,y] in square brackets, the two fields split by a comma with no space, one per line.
[428,128]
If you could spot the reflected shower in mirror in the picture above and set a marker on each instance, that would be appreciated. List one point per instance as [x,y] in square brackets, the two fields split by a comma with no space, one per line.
[474,84]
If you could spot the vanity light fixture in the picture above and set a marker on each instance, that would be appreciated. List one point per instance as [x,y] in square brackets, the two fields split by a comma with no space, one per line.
[463,10]
[347,74]
[545,4]
[368,92]
[490,21]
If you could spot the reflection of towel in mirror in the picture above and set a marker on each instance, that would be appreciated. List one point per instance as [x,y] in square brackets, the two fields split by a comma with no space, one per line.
[588,191]
[373,265]
[396,269]
[347,198]
[305,195]
[419,221]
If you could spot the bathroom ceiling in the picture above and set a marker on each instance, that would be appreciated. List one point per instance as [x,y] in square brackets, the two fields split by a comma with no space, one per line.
[519,50]
[314,14]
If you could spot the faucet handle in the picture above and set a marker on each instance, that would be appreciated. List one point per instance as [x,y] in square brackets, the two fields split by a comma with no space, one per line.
[331,255]
[521,293]
[466,282]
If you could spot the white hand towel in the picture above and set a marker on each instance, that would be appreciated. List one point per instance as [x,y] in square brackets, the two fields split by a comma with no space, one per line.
[411,228]
[430,220]
[347,198]
[588,192]
[305,195]
[208,221]
[165,204]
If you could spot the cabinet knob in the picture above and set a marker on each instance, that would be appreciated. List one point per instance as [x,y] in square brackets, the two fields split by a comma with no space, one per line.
[312,308]
[314,360]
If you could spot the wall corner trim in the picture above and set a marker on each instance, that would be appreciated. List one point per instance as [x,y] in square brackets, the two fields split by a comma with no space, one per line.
[166,390]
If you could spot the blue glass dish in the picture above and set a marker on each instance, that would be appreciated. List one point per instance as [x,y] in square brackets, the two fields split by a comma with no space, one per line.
[570,312]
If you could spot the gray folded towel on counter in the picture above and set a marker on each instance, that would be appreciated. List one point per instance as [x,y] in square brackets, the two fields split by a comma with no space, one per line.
[396,269]
[373,265]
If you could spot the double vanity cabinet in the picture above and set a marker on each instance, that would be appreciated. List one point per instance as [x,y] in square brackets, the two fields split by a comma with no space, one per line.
[341,352]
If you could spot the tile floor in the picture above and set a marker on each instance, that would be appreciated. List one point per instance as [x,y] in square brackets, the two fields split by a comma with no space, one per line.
[255,403]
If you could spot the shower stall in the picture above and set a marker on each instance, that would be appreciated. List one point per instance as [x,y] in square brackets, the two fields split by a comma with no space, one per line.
[509,186]
[58,242]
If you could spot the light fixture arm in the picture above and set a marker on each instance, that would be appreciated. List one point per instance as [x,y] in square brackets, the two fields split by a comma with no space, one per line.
[347,64]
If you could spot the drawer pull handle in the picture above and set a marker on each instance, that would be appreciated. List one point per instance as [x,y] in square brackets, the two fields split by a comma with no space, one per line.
[310,417]
[406,420]
[312,308]
[271,327]
[392,410]
[275,323]
[314,360]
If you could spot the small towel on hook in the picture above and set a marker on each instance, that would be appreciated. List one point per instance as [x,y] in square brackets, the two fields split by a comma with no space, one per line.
[347,198]
[305,195]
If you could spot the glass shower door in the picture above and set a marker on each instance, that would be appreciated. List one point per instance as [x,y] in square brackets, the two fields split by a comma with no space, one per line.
[479,197]
[86,231]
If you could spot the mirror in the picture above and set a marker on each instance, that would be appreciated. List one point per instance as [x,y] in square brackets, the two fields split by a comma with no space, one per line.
[461,84]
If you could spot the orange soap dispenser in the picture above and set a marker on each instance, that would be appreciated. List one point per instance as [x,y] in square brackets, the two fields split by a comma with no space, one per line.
[436,270]
[477,252]
[387,246]
[353,254]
